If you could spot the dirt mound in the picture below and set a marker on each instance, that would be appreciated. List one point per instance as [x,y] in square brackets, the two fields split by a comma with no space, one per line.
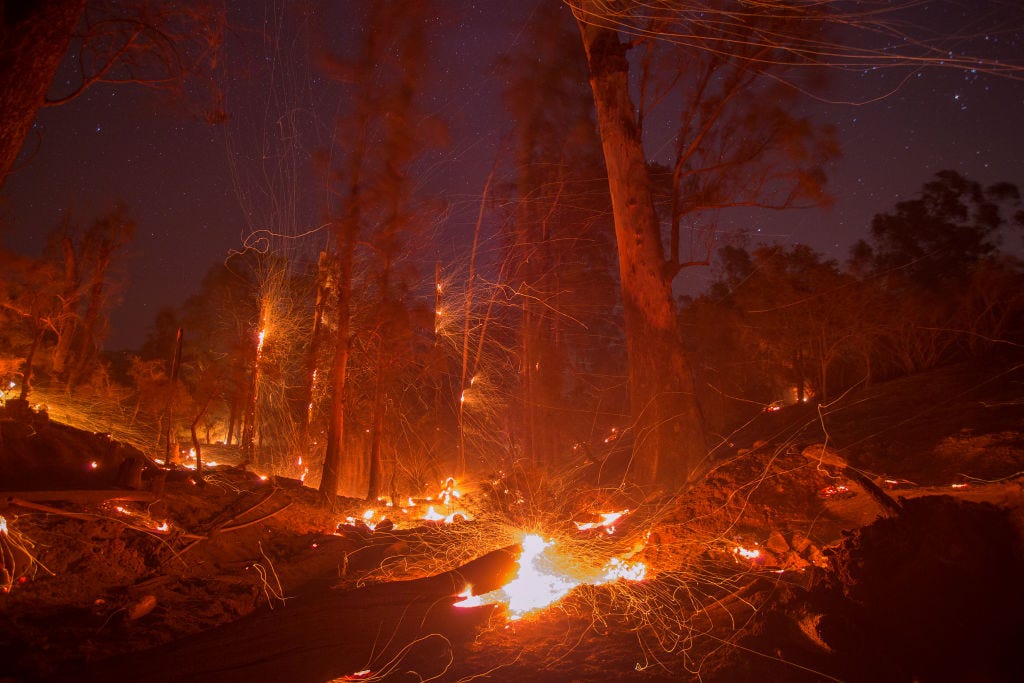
[41,454]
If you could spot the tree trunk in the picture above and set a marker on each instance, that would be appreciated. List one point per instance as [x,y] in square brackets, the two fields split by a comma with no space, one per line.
[248,441]
[670,444]
[376,461]
[312,354]
[171,453]
[68,321]
[34,37]
[26,367]
[331,476]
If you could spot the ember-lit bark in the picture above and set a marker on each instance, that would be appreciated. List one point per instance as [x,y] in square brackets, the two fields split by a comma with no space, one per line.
[33,39]
[670,442]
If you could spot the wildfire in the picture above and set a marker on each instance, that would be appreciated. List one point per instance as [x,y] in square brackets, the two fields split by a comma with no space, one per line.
[539,582]
[410,516]
[607,522]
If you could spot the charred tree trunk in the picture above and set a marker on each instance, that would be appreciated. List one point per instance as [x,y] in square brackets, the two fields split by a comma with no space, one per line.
[69,308]
[331,477]
[311,355]
[34,37]
[376,461]
[170,453]
[195,438]
[670,443]
[26,368]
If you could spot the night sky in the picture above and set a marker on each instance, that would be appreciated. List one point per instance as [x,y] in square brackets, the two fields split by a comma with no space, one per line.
[186,182]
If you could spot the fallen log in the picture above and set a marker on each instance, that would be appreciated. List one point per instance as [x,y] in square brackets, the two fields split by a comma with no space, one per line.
[80,496]
[39,507]
[326,634]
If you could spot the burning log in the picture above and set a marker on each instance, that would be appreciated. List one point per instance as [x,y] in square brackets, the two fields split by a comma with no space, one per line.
[319,636]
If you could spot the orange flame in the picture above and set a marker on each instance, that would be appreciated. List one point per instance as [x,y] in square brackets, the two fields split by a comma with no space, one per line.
[537,585]
[607,520]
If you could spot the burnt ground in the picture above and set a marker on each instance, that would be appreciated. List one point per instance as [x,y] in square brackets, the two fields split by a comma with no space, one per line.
[887,528]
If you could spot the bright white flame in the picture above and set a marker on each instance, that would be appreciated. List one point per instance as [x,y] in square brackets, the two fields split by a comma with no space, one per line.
[607,520]
[747,554]
[629,571]
[432,515]
[536,585]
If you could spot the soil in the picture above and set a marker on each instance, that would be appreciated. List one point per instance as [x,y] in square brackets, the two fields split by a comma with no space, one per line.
[877,537]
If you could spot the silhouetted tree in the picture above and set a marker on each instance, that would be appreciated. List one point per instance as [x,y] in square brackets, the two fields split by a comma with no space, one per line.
[560,254]
[935,239]
[935,260]
[101,246]
[378,135]
[29,307]
[154,44]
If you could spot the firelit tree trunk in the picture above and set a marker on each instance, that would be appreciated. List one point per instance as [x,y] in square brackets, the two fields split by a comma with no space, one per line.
[346,233]
[33,39]
[670,443]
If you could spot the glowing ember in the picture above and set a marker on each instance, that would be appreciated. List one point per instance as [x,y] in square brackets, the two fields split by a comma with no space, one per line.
[837,490]
[751,555]
[607,520]
[538,584]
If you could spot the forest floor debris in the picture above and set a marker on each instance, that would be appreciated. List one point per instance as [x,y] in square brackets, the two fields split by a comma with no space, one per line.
[776,564]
